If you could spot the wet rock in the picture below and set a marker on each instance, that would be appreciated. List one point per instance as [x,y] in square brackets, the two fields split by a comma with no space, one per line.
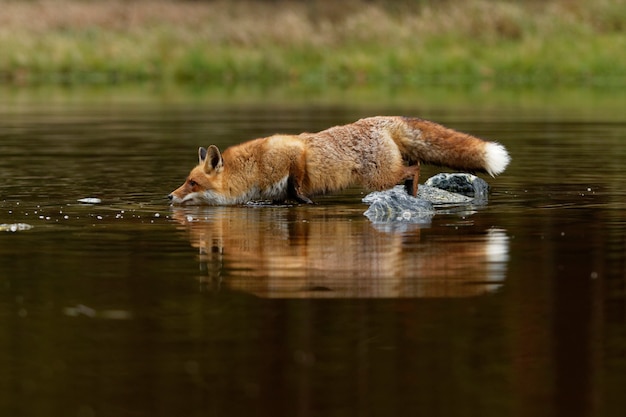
[14,227]
[395,205]
[440,197]
[459,183]
[90,200]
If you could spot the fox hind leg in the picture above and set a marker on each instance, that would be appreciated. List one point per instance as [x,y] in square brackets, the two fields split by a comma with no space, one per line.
[411,182]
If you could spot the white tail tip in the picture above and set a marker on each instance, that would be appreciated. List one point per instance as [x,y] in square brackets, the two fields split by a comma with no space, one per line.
[496,158]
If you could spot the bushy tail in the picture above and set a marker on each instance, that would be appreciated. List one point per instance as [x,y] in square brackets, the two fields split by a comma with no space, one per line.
[430,143]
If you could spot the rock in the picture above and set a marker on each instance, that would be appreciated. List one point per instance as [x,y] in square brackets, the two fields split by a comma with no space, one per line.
[14,227]
[438,196]
[465,184]
[90,200]
[396,206]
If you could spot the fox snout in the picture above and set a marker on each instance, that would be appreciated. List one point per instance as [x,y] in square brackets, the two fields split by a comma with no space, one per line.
[176,197]
[190,193]
[172,198]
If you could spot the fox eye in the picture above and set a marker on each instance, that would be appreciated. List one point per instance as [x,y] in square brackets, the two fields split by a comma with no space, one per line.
[192,183]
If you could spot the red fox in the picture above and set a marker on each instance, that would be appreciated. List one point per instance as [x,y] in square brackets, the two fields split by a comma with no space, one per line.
[376,153]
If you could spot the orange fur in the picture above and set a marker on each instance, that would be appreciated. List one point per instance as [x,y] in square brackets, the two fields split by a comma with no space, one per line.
[377,153]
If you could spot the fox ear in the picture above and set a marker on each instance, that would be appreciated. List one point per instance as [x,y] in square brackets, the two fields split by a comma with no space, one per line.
[213,160]
[201,155]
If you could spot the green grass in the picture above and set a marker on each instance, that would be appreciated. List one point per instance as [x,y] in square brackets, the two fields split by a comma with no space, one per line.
[315,44]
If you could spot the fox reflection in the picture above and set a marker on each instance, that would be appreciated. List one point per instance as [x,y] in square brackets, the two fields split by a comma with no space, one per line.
[295,253]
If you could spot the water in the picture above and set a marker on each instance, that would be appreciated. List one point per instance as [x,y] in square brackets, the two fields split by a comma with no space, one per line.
[128,307]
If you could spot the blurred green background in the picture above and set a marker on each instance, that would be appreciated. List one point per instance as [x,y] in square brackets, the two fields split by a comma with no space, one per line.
[315,44]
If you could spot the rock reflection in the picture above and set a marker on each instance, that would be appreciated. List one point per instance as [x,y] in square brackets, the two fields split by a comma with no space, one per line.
[302,252]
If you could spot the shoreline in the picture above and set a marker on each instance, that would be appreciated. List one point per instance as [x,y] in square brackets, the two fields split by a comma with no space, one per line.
[572,103]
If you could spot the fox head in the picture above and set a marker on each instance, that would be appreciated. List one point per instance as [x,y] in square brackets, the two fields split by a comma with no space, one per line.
[204,183]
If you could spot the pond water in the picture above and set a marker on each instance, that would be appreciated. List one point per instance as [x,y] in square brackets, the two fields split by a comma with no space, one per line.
[125,306]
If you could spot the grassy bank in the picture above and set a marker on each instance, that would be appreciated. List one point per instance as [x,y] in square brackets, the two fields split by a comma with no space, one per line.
[320,43]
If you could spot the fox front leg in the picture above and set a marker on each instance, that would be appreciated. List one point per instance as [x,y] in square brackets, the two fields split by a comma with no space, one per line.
[293,191]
